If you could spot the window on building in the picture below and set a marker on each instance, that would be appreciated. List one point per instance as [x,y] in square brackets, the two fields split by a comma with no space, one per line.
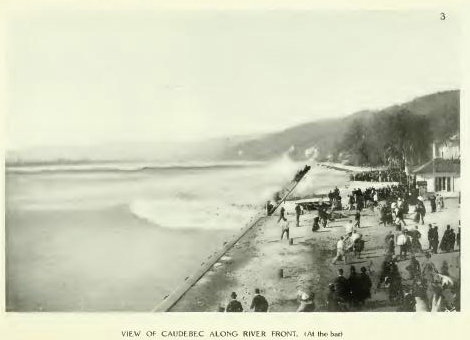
[442,184]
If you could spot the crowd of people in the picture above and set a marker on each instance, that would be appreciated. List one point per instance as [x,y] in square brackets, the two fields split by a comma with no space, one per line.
[349,293]
[424,287]
[389,175]
[371,196]
[335,199]
[427,288]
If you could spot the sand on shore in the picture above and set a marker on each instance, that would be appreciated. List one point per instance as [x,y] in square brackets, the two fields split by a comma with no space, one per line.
[255,261]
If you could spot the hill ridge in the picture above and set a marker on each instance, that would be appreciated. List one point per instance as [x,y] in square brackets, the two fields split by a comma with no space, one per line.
[440,111]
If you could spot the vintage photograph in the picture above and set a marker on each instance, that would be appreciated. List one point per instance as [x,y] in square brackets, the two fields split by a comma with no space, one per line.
[232,160]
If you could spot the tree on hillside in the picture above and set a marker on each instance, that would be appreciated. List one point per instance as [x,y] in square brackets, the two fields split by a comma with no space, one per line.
[397,138]
[354,142]
[407,138]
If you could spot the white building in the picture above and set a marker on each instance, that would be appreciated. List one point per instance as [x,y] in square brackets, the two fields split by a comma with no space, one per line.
[442,173]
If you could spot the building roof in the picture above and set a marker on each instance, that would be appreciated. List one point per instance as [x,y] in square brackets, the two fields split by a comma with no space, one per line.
[439,165]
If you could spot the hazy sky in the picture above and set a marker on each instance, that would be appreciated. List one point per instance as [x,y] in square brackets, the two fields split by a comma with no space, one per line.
[82,77]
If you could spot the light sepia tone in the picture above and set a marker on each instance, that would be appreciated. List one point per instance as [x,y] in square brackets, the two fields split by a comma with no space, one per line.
[109,326]
[94,325]
[159,188]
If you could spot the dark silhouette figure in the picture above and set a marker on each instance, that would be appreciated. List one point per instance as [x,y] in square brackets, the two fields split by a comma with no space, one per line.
[259,302]
[234,305]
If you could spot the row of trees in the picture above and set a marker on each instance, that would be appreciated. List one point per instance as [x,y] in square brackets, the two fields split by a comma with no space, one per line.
[399,138]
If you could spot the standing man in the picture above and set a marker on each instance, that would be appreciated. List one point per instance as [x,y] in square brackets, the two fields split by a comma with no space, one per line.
[365,284]
[357,218]
[259,302]
[432,200]
[422,211]
[285,229]
[339,250]
[415,243]
[282,214]
[234,305]
[430,236]
[354,287]
[435,240]
[269,208]
[350,202]
[336,192]
[298,212]
[342,288]
[376,198]
[400,216]
[323,216]
[358,244]
[402,242]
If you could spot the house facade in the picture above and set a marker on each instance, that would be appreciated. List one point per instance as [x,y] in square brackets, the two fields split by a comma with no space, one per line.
[442,173]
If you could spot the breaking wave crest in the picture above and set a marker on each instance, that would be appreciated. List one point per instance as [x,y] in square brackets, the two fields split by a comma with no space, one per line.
[184,214]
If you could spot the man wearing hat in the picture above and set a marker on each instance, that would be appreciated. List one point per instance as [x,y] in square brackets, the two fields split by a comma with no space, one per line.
[234,305]
[259,303]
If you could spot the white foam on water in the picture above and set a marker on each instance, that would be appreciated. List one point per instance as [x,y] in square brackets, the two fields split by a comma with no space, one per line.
[183,214]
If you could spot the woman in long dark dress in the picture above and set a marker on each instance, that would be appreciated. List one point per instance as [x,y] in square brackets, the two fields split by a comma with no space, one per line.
[354,286]
[385,271]
[435,240]
[395,290]
[365,284]
[445,241]
[451,243]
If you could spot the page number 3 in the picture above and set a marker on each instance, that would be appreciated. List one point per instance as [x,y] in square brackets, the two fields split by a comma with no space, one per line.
[443,16]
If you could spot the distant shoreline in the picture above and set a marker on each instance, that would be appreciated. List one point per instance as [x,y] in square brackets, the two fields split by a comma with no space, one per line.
[121,166]
[348,168]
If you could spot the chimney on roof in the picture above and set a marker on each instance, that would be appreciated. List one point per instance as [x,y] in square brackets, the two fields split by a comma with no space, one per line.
[434,150]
